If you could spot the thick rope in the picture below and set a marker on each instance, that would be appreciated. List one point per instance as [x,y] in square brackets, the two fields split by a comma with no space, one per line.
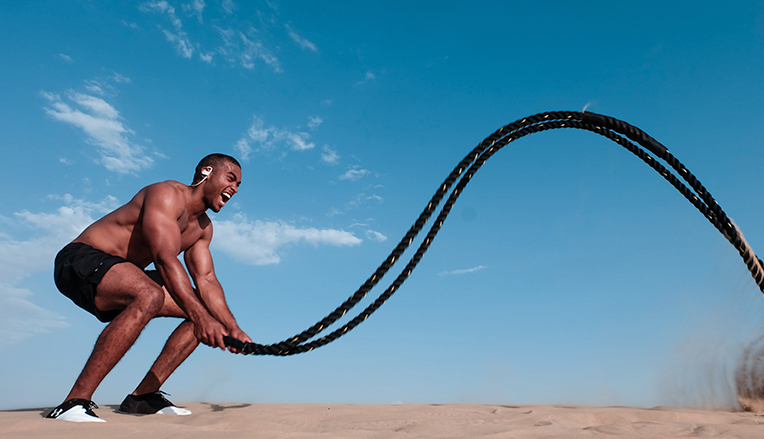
[616,130]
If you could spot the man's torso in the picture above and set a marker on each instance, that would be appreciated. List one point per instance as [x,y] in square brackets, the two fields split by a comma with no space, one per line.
[120,232]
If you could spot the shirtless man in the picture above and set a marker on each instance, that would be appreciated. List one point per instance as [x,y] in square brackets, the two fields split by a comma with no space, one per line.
[102,271]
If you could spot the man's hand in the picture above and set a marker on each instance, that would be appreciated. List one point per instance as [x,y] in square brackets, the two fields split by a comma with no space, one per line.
[210,332]
[238,334]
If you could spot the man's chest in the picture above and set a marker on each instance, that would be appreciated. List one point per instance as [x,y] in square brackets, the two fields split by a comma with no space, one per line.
[190,232]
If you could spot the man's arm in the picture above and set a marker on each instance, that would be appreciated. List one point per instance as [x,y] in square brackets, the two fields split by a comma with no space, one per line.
[200,266]
[162,207]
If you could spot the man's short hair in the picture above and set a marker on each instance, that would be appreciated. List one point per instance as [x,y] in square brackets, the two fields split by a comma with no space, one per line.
[213,160]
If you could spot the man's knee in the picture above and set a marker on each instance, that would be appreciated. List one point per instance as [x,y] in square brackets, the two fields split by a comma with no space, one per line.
[150,299]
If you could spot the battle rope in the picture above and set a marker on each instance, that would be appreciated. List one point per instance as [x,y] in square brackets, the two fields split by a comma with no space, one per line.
[609,127]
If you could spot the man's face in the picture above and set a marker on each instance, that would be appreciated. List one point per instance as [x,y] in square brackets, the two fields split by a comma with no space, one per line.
[221,185]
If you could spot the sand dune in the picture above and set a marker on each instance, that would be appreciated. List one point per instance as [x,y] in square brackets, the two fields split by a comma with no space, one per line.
[381,421]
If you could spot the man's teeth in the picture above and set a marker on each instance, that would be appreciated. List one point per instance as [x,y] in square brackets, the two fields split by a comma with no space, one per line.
[226,197]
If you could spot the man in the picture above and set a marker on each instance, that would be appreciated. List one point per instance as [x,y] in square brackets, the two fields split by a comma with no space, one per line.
[102,271]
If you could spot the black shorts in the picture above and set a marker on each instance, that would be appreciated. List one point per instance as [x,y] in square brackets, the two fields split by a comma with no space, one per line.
[79,269]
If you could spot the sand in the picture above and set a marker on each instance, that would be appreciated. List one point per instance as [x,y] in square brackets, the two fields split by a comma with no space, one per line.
[382,421]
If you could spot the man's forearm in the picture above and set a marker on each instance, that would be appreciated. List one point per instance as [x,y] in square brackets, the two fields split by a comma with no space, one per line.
[213,298]
[179,286]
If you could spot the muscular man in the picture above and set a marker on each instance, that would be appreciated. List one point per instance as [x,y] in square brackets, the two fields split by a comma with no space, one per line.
[102,271]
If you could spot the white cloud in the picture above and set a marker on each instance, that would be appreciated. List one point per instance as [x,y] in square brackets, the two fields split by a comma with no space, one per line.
[64,160]
[354,174]
[270,138]
[229,7]
[19,317]
[66,57]
[179,38]
[239,48]
[330,156]
[181,42]
[357,201]
[96,105]
[464,271]
[206,57]
[368,77]
[120,78]
[195,7]
[375,236]
[243,149]
[254,49]
[297,141]
[314,122]
[302,42]
[259,242]
[94,86]
[101,123]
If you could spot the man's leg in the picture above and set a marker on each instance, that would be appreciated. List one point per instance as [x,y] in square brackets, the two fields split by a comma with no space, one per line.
[146,398]
[179,346]
[126,287]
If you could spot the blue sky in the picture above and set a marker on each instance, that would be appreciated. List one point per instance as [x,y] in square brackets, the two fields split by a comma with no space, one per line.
[568,272]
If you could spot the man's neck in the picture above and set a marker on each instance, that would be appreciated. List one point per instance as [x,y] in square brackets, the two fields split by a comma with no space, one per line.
[195,205]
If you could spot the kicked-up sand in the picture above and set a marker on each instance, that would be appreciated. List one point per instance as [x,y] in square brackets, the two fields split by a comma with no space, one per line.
[213,420]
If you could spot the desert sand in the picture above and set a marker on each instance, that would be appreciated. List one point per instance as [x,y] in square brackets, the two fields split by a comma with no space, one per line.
[382,421]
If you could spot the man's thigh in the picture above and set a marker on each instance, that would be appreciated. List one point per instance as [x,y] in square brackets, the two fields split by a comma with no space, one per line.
[125,283]
[122,285]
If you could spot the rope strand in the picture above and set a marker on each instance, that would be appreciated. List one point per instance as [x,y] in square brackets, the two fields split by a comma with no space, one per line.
[616,130]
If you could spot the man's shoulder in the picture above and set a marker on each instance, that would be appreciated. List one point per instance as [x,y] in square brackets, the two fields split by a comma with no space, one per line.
[164,194]
[164,189]
[167,185]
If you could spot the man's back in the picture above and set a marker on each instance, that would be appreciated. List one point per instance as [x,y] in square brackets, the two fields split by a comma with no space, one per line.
[121,231]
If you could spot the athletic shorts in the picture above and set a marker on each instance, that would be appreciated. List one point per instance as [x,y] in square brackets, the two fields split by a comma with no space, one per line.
[79,269]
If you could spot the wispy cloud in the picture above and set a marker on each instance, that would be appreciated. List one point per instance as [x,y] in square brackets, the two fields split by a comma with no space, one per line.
[253,48]
[260,242]
[330,156]
[178,38]
[314,122]
[196,7]
[368,77]
[357,201]
[302,42]
[241,42]
[229,6]
[206,57]
[66,57]
[354,174]
[375,236]
[270,138]
[181,42]
[464,271]
[103,127]
[19,259]
[120,78]
[243,49]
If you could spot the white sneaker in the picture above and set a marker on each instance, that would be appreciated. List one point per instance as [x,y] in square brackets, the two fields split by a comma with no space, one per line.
[75,410]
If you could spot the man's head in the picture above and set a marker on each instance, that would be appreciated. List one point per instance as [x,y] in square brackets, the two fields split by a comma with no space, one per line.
[221,175]
[212,161]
